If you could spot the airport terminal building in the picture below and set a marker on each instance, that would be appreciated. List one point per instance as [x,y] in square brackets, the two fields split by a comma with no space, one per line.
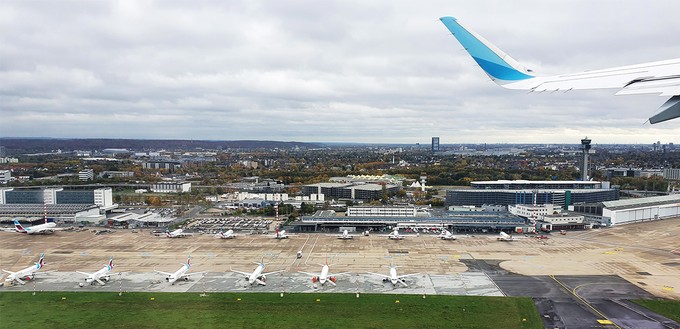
[561,193]
[57,203]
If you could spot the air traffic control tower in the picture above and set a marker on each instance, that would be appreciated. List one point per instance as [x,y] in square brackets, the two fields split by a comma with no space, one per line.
[585,147]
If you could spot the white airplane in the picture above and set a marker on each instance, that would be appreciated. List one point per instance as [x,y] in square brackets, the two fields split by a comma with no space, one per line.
[345,235]
[281,235]
[181,273]
[102,274]
[178,233]
[257,276]
[323,277]
[662,77]
[226,235]
[446,235]
[25,274]
[505,237]
[46,228]
[395,235]
[394,278]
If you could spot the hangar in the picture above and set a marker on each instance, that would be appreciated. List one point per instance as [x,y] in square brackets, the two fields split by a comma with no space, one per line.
[634,210]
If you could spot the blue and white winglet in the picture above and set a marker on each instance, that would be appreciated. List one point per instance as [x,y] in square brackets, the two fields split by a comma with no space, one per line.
[662,78]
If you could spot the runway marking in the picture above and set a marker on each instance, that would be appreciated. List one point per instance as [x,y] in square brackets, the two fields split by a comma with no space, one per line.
[310,251]
[573,292]
[301,249]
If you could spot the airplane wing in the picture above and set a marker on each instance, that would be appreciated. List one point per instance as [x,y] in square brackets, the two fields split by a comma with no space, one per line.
[380,275]
[269,273]
[85,273]
[239,272]
[662,77]
[407,275]
[195,273]
[339,274]
[164,273]
[310,274]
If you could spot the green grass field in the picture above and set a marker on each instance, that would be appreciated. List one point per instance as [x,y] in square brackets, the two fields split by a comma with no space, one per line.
[261,310]
[667,308]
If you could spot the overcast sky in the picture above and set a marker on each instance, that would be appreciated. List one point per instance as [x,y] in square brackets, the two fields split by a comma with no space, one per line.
[328,71]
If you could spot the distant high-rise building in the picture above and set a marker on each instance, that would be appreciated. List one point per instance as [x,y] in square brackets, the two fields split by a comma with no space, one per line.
[435,144]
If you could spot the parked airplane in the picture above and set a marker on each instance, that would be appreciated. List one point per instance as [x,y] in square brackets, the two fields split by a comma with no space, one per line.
[25,274]
[323,277]
[662,77]
[102,274]
[281,234]
[226,235]
[181,273]
[46,228]
[505,237]
[345,235]
[395,235]
[446,235]
[178,233]
[394,278]
[257,276]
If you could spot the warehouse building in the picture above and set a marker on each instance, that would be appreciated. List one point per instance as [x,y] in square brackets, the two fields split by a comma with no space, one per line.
[633,210]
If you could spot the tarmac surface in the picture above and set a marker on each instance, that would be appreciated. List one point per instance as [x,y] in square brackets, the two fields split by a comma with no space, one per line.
[574,279]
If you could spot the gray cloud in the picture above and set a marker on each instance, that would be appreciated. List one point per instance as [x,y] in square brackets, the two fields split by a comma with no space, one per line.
[376,71]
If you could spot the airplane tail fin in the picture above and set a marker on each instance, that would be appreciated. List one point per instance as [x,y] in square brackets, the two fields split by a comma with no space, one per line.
[189,261]
[18,227]
[41,261]
[111,263]
[498,65]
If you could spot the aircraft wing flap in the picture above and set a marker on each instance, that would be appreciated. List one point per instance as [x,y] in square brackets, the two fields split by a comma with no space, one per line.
[308,273]
[663,87]
[195,273]
[164,273]
[239,272]
[380,275]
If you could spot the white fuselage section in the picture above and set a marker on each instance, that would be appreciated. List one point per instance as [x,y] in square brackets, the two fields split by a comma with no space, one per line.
[175,234]
[178,274]
[323,276]
[40,229]
[394,278]
[395,235]
[446,235]
[103,273]
[281,235]
[345,235]
[24,273]
[255,276]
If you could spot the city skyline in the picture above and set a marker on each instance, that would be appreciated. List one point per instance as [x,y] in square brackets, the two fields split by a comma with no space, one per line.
[380,72]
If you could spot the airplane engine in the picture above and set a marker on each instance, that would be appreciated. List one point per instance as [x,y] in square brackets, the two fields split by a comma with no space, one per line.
[264,278]
[332,279]
[315,279]
[107,278]
[186,278]
[167,279]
